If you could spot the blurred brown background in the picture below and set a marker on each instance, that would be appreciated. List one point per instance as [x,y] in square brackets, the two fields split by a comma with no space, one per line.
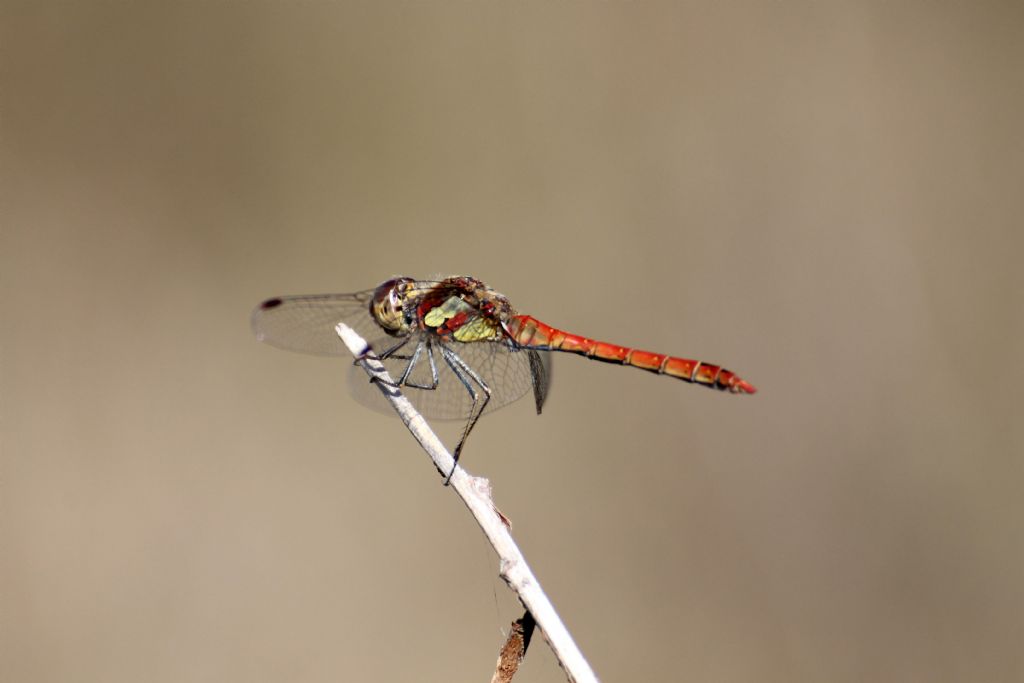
[823,196]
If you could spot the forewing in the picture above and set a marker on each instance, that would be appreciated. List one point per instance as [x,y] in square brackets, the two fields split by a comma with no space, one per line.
[306,323]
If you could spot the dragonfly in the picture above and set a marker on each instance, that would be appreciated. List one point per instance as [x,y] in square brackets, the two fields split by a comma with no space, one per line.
[456,348]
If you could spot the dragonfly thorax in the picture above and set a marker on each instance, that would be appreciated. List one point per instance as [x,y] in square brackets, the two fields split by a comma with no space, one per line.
[458,308]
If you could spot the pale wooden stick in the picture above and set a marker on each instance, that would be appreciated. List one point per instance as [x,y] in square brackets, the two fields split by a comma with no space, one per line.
[476,494]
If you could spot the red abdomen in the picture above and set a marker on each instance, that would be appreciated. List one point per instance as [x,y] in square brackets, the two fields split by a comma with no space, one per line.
[528,332]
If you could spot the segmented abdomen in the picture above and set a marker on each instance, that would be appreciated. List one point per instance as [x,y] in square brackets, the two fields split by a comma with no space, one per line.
[531,333]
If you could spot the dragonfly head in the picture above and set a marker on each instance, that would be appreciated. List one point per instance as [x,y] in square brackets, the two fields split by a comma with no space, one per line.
[388,305]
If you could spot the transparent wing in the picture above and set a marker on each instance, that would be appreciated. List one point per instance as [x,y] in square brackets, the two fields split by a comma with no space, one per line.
[306,323]
[509,372]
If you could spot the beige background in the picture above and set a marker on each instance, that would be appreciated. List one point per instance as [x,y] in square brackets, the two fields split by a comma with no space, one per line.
[825,196]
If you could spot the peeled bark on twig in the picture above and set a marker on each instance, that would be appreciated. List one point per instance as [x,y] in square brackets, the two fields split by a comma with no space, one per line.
[514,649]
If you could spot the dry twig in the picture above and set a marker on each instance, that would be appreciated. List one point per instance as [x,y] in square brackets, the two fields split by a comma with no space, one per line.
[476,494]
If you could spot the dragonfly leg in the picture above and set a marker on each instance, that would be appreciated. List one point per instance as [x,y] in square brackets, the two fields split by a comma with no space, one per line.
[388,353]
[480,399]
[403,380]
[433,368]
[392,353]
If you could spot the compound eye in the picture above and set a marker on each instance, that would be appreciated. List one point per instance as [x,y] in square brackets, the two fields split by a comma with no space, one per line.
[387,307]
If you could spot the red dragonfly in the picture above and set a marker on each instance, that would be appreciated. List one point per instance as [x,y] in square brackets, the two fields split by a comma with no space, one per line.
[456,347]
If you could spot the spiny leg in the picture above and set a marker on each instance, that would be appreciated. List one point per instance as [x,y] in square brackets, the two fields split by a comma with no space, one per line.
[463,371]
[410,365]
[403,380]
[386,354]
[389,352]
[433,368]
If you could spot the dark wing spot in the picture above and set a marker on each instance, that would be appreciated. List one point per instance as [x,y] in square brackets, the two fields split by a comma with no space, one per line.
[270,303]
